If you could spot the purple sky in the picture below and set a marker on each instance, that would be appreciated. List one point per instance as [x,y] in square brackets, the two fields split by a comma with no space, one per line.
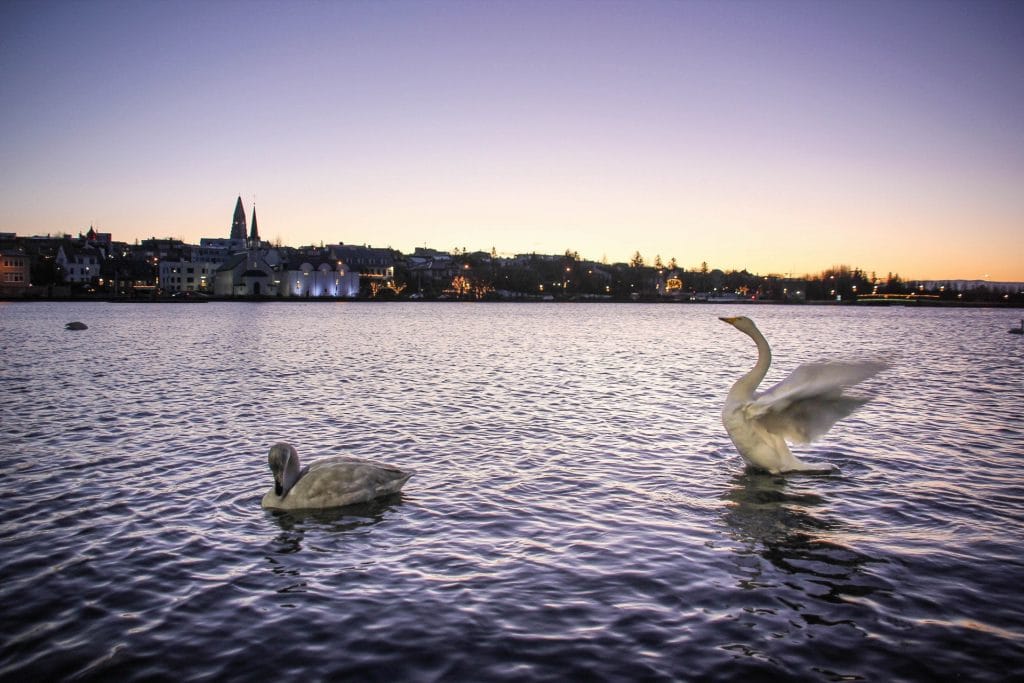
[773,136]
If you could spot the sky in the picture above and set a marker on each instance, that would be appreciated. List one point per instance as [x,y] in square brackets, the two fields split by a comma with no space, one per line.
[776,136]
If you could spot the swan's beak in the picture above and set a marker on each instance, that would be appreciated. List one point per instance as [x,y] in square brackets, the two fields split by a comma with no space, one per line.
[731,321]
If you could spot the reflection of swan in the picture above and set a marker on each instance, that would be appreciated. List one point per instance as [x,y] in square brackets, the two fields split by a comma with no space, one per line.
[793,531]
[329,482]
[1017,330]
[799,409]
[76,326]
[764,510]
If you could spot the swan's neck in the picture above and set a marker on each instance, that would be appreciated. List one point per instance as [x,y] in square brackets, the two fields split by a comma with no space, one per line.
[745,387]
[292,474]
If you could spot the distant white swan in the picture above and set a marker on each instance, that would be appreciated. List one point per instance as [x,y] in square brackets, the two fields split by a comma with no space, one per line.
[76,325]
[327,483]
[799,409]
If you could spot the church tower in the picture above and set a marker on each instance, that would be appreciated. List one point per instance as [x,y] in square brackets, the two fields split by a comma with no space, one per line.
[254,234]
[238,222]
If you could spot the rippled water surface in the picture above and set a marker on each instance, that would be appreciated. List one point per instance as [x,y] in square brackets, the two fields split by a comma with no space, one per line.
[577,510]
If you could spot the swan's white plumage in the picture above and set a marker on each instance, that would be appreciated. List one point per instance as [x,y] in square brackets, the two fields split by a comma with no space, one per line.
[799,409]
[330,482]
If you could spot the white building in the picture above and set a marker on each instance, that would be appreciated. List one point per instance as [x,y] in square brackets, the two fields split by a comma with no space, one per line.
[246,274]
[325,279]
[80,264]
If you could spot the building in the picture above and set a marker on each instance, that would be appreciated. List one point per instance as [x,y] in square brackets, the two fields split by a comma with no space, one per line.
[246,274]
[372,263]
[15,272]
[238,223]
[80,264]
[249,267]
[324,277]
[671,284]
[188,276]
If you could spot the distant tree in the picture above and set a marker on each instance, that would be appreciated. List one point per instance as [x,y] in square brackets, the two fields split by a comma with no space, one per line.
[637,261]
[657,262]
[672,263]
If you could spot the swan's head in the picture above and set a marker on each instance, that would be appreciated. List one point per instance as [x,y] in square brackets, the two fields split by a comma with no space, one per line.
[741,323]
[284,463]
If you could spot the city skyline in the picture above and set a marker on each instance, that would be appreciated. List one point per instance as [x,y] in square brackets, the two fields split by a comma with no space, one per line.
[780,137]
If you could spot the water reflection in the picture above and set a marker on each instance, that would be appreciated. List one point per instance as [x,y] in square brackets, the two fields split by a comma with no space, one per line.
[306,534]
[295,523]
[552,474]
[774,520]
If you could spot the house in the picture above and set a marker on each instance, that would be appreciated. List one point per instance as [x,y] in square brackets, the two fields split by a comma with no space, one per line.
[432,274]
[372,263]
[15,276]
[188,276]
[80,264]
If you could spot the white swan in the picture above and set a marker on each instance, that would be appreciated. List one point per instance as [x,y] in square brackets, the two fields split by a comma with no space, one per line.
[800,409]
[327,483]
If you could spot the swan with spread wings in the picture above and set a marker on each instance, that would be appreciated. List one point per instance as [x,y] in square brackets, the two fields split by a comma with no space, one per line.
[799,409]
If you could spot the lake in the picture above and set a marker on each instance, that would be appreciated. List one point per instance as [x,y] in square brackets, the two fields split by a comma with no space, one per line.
[577,512]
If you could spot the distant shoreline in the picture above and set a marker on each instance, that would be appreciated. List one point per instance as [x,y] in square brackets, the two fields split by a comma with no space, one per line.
[922,303]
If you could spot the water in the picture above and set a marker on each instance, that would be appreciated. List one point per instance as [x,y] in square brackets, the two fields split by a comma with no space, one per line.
[578,511]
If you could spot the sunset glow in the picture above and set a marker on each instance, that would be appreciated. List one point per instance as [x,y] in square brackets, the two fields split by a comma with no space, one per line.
[779,137]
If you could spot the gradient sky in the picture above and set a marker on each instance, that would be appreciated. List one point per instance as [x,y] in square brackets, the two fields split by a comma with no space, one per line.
[781,137]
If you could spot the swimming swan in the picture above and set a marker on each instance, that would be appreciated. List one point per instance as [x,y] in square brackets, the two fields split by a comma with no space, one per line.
[327,483]
[76,325]
[800,409]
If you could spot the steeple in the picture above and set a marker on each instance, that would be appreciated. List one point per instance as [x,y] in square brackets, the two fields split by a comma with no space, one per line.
[238,222]
[254,234]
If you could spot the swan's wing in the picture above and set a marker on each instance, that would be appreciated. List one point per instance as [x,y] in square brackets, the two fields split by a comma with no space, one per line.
[809,419]
[815,380]
[340,480]
[805,405]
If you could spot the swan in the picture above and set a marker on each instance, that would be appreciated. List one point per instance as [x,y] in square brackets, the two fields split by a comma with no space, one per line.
[327,483]
[800,409]
[76,325]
